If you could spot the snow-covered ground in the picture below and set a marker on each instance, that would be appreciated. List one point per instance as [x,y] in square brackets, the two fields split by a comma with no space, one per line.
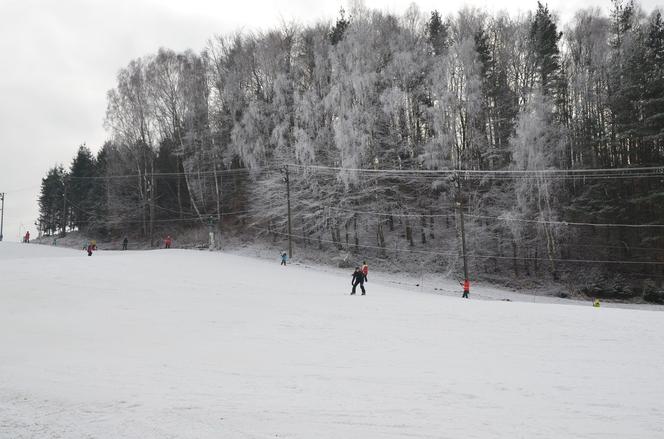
[191,344]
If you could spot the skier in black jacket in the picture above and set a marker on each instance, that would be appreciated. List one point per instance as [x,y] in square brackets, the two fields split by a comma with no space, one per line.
[358,279]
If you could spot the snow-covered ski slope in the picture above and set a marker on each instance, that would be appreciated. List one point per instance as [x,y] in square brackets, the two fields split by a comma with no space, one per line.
[189,344]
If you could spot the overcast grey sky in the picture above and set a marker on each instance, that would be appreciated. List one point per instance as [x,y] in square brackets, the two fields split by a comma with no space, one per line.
[59,58]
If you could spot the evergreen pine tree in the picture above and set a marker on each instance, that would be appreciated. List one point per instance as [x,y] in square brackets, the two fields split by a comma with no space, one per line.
[437,33]
[544,37]
[339,28]
[653,89]
[80,191]
[51,215]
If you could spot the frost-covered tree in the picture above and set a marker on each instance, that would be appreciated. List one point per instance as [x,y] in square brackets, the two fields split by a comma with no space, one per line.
[130,118]
[537,146]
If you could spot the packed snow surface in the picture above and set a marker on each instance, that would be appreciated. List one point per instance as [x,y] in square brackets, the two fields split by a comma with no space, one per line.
[192,344]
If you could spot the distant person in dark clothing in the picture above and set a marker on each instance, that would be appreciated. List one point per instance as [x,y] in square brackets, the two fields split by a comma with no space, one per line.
[358,279]
[26,238]
[90,249]
[284,258]
[125,243]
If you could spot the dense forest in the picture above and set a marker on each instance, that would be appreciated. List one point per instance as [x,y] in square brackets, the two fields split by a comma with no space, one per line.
[536,145]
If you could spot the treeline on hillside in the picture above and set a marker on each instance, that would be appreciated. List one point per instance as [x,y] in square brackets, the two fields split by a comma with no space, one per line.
[388,127]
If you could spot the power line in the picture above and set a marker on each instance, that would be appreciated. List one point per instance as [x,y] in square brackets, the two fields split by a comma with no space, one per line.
[564,223]
[453,215]
[407,215]
[188,219]
[592,261]
[558,174]
[474,255]
[172,220]
[567,223]
[164,174]
[353,245]
[433,175]
[651,169]
[619,247]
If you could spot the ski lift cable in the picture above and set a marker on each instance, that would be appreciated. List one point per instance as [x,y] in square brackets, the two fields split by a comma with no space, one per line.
[563,223]
[566,223]
[438,177]
[196,218]
[453,215]
[405,215]
[658,169]
[165,174]
[497,174]
[558,174]
[476,255]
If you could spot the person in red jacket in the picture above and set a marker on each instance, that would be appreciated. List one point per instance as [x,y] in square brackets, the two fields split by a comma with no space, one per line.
[466,288]
[26,238]
[365,270]
[168,241]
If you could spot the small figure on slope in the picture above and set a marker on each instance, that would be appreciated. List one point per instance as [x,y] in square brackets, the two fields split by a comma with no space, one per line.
[358,279]
[365,270]
[125,243]
[168,241]
[466,288]
[90,248]
[26,238]
[596,303]
[284,258]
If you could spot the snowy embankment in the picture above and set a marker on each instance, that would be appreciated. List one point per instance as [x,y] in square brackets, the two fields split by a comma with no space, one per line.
[187,344]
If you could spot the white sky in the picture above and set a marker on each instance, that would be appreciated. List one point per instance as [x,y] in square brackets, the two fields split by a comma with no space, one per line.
[59,58]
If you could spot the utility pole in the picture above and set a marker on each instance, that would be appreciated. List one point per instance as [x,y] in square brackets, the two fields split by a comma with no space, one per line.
[64,208]
[2,213]
[290,230]
[459,204]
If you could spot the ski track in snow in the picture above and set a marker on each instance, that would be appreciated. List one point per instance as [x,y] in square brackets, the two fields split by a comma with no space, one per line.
[190,344]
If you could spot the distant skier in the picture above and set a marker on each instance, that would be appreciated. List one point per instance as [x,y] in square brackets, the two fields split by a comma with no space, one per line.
[596,303]
[466,288]
[26,238]
[284,258]
[168,241]
[90,248]
[125,243]
[365,270]
[358,279]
